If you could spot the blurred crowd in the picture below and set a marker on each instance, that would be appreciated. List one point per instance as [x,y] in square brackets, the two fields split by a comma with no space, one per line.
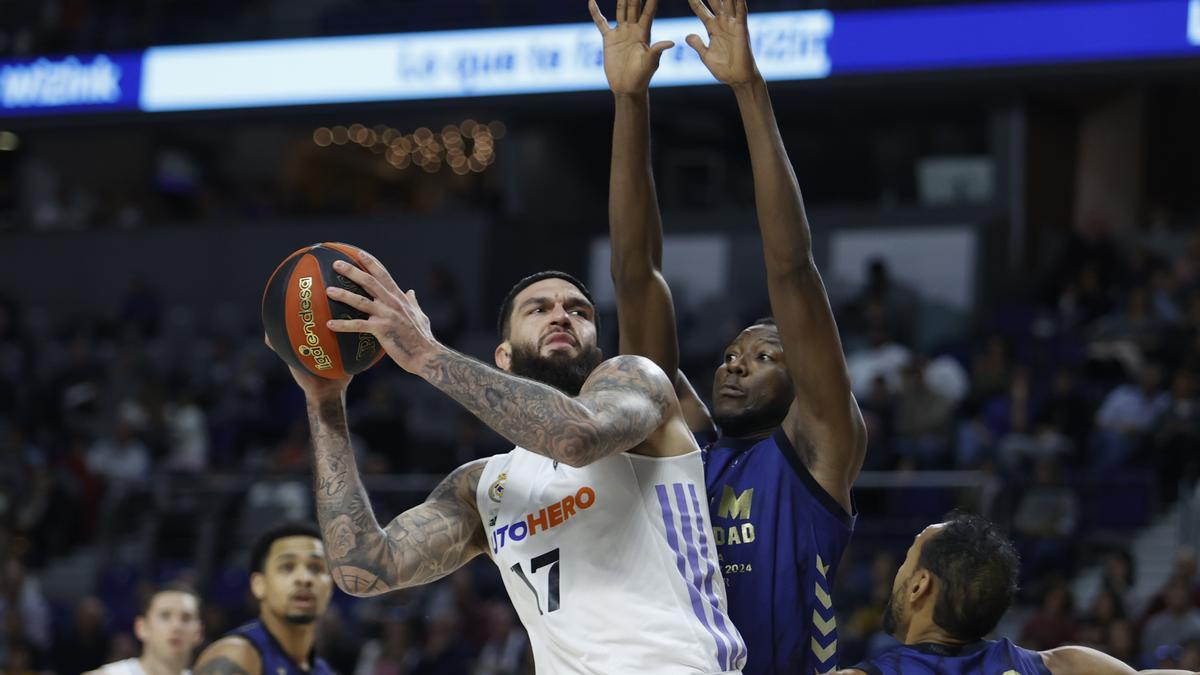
[124,440]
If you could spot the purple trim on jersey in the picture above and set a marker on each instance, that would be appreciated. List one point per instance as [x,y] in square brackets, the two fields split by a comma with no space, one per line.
[685,518]
[739,645]
[664,503]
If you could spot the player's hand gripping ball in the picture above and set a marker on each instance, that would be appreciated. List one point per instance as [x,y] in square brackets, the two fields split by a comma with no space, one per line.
[295,310]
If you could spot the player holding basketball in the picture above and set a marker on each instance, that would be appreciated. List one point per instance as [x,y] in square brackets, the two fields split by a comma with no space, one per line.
[792,437]
[290,580]
[958,579]
[596,519]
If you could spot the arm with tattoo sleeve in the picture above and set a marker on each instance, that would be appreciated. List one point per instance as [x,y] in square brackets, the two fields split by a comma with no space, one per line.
[421,545]
[623,401]
[232,655]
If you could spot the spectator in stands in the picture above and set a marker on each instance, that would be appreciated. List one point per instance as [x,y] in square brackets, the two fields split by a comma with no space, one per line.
[1177,623]
[89,639]
[443,304]
[1054,623]
[1121,642]
[881,357]
[1117,576]
[23,608]
[1106,608]
[1046,518]
[187,431]
[442,652]
[923,416]
[389,654]
[1067,409]
[504,652]
[121,458]
[1126,414]
[884,297]
[1176,435]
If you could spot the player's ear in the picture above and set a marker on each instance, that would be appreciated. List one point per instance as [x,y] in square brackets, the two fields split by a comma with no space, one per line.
[139,629]
[921,587]
[503,356]
[258,586]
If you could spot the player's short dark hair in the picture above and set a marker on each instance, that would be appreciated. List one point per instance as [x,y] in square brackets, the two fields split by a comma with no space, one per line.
[977,568]
[175,587]
[765,321]
[506,307]
[262,546]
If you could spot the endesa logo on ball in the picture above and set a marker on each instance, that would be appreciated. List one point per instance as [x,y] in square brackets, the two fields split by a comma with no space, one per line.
[312,342]
[545,519]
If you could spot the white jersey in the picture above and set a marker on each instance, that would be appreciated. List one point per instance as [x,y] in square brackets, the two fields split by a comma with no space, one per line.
[126,667]
[611,567]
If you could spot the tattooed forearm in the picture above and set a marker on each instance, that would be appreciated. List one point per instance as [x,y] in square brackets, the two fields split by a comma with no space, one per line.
[421,545]
[622,403]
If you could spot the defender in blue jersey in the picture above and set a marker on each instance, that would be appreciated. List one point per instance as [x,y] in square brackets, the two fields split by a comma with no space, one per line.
[290,579]
[958,579]
[792,437]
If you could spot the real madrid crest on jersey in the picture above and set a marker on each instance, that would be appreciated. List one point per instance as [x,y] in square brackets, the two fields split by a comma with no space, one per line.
[495,493]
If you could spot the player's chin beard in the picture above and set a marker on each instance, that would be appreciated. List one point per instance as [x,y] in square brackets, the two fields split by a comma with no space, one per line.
[891,615]
[751,421]
[563,372]
[300,619]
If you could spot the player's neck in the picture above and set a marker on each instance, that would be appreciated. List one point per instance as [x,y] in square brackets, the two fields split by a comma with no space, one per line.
[295,639]
[155,666]
[930,634]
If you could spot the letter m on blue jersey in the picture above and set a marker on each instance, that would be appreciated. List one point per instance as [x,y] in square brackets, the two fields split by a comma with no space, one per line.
[735,506]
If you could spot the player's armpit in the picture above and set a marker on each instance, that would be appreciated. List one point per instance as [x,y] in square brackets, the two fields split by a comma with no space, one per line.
[1084,661]
[419,546]
[229,656]
[695,413]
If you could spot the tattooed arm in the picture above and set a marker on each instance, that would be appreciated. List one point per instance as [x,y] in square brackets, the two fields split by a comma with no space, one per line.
[229,656]
[622,403]
[421,545]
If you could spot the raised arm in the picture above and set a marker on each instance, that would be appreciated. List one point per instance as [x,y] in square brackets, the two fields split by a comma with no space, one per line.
[645,310]
[623,402]
[824,423]
[423,544]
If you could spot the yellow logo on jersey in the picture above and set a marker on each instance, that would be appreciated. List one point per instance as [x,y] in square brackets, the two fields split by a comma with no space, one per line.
[736,506]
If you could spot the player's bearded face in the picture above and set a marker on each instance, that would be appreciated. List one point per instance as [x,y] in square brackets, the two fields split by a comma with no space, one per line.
[565,371]
[893,620]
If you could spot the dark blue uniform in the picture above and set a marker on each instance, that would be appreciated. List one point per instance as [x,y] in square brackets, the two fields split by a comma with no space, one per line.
[274,660]
[986,657]
[780,537]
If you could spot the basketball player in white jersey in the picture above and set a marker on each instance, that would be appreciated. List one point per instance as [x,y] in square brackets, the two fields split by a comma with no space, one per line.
[169,629]
[596,519]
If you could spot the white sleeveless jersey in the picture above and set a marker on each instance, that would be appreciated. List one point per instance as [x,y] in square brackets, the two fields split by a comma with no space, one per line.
[612,567]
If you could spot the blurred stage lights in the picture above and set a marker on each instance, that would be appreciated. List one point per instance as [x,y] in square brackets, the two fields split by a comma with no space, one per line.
[463,148]
[9,141]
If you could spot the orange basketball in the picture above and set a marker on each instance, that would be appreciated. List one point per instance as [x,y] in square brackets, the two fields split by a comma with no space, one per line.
[295,309]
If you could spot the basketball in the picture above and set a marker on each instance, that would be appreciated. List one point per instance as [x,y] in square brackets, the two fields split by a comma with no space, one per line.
[295,310]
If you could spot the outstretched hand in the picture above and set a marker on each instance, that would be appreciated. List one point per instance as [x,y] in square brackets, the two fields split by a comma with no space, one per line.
[393,316]
[727,56]
[629,58]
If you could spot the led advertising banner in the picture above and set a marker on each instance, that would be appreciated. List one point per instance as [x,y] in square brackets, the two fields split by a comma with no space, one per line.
[95,83]
[569,57]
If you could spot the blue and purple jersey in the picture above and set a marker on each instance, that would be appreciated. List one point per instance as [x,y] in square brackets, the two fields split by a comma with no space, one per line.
[779,537]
